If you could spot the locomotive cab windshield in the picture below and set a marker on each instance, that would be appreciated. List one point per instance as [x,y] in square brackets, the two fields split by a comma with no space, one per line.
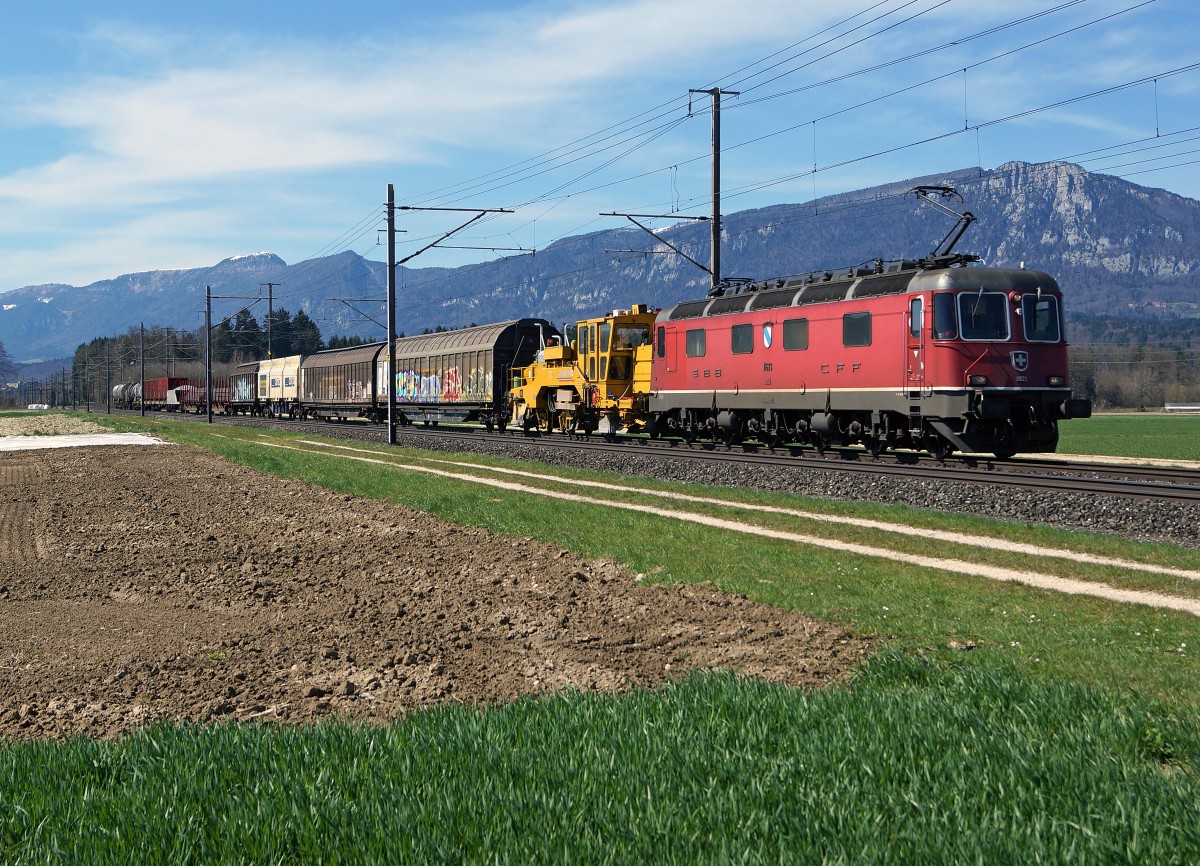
[1040,318]
[984,316]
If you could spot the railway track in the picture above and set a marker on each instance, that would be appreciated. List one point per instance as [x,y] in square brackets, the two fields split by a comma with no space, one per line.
[1051,475]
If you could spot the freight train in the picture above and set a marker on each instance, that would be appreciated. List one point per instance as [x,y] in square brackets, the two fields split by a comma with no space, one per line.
[457,376]
[930,354]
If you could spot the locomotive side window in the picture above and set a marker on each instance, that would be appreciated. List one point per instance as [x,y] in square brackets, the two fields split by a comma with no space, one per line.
[619,368]
[983,315]
[742,339]
[945,323]
[604,366]
[604,332]
[661,342]
[695,343]
[582,340]
[916,317]
[795,335]
[856,329]
[1040,316]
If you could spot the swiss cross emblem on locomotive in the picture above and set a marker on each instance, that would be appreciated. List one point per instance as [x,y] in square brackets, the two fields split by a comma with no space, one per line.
[1020,361]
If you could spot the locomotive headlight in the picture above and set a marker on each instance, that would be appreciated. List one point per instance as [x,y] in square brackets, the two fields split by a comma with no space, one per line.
[977,381]
[1056,381]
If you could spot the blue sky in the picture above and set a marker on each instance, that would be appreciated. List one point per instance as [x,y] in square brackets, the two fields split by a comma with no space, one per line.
[140,136]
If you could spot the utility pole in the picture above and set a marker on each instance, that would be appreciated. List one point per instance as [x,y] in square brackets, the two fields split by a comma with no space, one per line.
[270,311]
[480,213]
[391,314]
[142,357]
[208,299]
[108,374]
[715,254]
[208,351]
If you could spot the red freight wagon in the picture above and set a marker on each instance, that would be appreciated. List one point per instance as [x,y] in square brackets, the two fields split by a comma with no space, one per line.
[154,392]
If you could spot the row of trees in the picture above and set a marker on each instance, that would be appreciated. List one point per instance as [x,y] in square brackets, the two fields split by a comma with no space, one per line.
[244,338]
[7,367]
[234,341]
[1135,377]
[1121,363]
[107,361]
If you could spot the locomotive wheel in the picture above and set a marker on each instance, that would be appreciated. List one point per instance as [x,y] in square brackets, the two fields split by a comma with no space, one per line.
[938,449]
[874,445]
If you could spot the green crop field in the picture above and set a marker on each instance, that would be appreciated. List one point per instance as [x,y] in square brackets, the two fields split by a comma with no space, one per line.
[1066,733]
[1146,435]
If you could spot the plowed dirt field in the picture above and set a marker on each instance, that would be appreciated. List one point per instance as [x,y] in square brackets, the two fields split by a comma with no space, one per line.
[139,584]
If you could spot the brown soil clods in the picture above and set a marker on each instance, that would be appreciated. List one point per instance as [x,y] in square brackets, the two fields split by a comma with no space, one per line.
[139,584]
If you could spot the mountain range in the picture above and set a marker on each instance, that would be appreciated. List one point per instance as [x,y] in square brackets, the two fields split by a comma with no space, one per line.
[1116,248]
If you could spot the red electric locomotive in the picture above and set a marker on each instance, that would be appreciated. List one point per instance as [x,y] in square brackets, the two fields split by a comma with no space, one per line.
[926,354]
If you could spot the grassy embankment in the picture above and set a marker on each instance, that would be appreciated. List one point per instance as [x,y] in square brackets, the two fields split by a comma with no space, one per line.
[1067,734]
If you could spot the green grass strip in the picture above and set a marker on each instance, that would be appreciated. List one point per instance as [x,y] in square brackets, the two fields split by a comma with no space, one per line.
[914,763]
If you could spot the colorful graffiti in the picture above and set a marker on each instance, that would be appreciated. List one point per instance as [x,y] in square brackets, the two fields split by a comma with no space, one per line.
[443,386]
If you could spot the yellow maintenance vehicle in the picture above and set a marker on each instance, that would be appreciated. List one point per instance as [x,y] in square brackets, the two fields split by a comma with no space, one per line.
[598,383]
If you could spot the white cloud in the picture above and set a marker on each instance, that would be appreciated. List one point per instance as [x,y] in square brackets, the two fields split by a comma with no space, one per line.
[181,142]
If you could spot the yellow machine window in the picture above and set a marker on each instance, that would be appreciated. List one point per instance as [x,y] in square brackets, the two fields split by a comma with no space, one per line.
[631,336]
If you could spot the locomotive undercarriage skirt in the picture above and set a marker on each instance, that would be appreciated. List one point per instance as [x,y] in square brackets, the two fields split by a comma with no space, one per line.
[980,420]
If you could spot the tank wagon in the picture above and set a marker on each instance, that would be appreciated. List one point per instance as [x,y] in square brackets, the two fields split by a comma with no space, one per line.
[126,395]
